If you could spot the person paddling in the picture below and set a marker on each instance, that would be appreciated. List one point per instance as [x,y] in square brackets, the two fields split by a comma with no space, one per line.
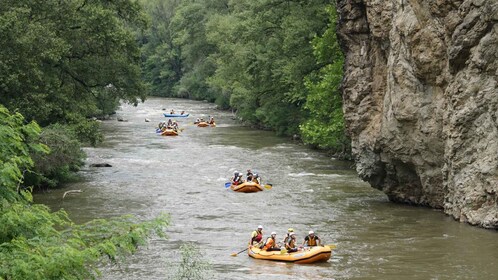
[287,235]
[236,179]
[256,178]
[311,239]
[174,125]
[249,175]
[271,243]
[256,236]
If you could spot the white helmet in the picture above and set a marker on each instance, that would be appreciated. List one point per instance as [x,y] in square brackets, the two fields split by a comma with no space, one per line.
[273,233]
[260,227]
[311,232]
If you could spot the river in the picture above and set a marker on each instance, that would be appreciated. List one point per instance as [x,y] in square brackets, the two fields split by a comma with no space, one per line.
[185,176]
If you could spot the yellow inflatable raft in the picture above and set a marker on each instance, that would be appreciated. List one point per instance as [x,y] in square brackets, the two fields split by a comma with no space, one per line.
[169,132]
[247,187]
[205,124]
[308,255]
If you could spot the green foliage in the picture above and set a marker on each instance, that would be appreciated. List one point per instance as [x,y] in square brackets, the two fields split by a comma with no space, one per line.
[38,250]
[64,159]
[192,265]
[161,61]
[324,126]
[17,142]
[57,57]
[36,243]
[277,63]
[86,131]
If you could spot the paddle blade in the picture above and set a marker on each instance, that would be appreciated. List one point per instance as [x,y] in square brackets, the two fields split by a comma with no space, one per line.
[268,186]
[233,254]
[228,184]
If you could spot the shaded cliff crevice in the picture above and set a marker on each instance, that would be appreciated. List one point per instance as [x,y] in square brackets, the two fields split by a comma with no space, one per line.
[421,101]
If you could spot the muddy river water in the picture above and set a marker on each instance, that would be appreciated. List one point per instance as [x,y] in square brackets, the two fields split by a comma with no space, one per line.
[185,176]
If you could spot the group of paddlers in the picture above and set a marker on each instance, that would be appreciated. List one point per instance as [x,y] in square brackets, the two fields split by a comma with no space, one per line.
[289,243]
[199,120]
[238,178]
[168,125]
[172,112]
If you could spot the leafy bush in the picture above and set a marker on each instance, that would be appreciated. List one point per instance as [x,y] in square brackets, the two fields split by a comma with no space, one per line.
[324,126]
[39,244]
[192,266]
[63,160]
[87,131]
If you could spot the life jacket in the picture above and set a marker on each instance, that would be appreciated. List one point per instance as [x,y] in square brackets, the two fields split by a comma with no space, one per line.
[287,236]
[257,237]
[291,244]
[237,180]
[311,240]
[270,243]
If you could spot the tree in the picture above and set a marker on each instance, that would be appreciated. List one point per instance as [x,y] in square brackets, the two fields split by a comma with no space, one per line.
[161,61]
[324,126]
[57,55]
[265,53]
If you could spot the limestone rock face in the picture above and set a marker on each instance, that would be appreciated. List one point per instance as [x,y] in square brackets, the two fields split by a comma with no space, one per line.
[421,101]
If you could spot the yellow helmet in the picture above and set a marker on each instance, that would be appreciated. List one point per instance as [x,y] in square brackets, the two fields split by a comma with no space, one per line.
[290,230]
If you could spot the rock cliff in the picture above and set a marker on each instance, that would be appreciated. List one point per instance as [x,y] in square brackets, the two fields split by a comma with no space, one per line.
[421,101]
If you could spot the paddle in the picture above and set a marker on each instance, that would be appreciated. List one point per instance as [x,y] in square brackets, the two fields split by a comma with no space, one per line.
[235,254]
[228,184]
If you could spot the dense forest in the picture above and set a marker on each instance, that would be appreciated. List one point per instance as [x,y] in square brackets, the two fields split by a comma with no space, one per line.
[63,64]
[277,63]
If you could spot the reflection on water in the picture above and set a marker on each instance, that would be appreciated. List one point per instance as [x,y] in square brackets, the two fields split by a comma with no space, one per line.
[185,177]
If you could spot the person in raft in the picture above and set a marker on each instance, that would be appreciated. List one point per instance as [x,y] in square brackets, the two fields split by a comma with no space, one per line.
[311,239]
[182,113]
[211,120]
[172,111]
[290,246]
[236,179]
[197,121]
[287,235]
[249,175]
[169,124]
[256,236]
[256,178]
[271,243]
[174,126]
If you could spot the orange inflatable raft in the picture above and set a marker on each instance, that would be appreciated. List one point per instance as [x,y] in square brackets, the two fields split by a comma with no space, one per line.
[169,132]
[308,255]
[247,187]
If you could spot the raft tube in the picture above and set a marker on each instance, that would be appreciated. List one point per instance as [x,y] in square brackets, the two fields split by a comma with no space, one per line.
[308,255]
[175,115]
[169,132]
[247,187]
